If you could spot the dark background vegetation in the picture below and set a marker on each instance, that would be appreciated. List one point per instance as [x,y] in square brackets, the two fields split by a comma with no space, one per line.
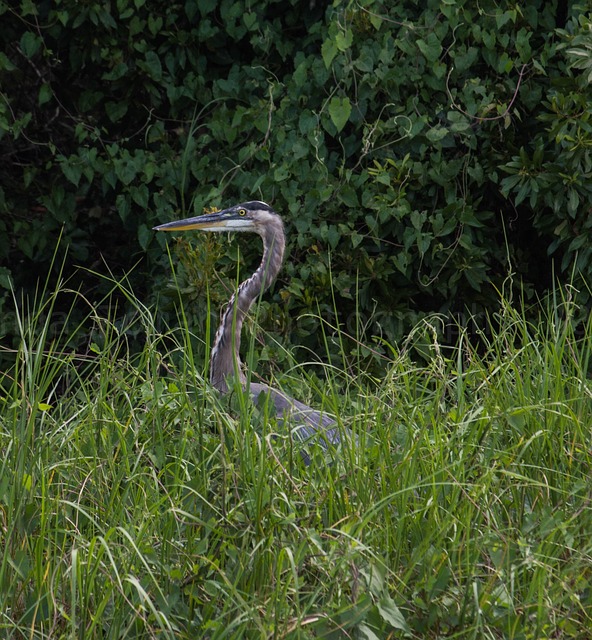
[418,151]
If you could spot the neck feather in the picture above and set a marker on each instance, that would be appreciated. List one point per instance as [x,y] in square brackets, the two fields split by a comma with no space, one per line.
[225,357]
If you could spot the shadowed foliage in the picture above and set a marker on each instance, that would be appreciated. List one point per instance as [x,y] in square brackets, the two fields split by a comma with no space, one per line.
[417,153]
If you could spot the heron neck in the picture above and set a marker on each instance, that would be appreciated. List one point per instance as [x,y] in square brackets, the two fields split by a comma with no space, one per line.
[225,357]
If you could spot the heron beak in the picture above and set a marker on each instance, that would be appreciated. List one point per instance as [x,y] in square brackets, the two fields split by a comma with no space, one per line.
[208,222]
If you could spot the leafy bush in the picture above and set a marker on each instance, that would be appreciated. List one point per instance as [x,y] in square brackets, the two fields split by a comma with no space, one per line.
[554,171]
[404,145]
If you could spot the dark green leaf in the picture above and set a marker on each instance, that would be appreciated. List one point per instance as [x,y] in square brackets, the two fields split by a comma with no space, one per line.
[30,43]
[339,110]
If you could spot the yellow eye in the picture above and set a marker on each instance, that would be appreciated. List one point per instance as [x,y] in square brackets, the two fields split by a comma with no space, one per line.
[242,212]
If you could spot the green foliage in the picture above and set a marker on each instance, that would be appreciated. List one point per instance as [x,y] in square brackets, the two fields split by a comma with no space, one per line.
[554,172]
[387,136]
[134,505]
[403,143]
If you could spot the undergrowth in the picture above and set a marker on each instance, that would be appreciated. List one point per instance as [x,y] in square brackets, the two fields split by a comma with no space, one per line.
[135,503]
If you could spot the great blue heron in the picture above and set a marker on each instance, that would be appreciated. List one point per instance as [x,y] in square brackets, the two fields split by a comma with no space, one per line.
[225,361]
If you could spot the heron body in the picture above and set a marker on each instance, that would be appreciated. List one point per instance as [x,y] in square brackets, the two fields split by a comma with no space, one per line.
[225,362]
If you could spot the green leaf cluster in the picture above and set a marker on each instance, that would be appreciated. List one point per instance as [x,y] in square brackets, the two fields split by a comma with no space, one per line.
[553,171]
[412,149]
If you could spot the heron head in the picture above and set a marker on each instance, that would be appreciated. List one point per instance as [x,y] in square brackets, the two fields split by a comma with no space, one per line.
[248,216]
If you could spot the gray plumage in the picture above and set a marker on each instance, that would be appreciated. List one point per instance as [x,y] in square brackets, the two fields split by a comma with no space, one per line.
[305,422]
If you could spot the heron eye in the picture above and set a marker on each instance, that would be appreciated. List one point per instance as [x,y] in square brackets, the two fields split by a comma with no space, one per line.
[242,212]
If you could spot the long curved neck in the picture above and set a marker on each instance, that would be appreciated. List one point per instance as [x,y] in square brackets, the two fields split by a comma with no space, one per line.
[225,356]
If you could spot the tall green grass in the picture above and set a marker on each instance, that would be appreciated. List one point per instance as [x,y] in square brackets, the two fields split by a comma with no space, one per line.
[135,503]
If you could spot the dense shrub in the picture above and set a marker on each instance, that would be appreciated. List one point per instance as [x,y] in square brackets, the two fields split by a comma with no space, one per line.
[406,145]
